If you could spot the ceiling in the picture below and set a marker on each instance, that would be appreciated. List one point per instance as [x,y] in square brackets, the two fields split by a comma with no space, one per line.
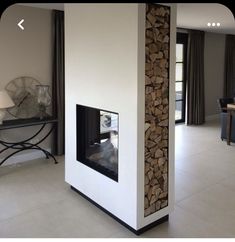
[57,6]
[197,15]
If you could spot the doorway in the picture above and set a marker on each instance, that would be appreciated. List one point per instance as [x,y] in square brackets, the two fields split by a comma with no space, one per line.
[180,81]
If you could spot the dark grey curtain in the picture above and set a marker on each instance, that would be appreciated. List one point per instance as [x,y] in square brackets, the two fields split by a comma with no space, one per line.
[229,68]
[58,81]
[195,78]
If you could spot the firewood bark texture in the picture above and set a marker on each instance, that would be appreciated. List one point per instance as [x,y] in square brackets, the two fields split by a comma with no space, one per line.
[157,46]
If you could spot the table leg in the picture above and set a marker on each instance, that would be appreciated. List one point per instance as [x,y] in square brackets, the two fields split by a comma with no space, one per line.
[229,124]
[25,145]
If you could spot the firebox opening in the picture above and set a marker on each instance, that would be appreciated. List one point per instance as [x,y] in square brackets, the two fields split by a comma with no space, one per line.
[97,140]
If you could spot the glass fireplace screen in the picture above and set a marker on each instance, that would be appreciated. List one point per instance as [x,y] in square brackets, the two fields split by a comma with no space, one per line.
[97,140]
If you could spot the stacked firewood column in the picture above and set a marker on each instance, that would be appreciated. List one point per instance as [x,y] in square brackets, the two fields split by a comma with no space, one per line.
[157,45]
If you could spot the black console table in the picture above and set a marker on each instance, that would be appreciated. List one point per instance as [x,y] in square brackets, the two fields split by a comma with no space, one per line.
[25,144]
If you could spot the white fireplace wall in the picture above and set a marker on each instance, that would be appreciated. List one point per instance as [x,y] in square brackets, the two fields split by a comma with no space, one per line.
[101,63]
[105,69]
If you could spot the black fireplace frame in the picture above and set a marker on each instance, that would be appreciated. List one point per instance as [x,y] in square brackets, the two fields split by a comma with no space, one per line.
[81,143]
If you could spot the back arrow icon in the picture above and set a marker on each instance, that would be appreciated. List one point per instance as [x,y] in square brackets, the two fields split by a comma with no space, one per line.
[20,24]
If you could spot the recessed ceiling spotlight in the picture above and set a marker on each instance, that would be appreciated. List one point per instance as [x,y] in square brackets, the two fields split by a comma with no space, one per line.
[218,24]
[209,24]
[213,24]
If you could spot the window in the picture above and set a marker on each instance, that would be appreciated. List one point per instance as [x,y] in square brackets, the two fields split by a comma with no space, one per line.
[180,81]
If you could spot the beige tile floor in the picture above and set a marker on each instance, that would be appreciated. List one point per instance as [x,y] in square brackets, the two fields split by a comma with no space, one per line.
[36,202]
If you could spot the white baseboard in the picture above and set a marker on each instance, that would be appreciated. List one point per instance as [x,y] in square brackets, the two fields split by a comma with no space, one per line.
[24,157]
[212,117]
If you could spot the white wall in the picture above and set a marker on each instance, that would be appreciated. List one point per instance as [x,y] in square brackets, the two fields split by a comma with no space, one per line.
[25,53]
[171,143]
[101,66]
[104,68]
[214,71]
